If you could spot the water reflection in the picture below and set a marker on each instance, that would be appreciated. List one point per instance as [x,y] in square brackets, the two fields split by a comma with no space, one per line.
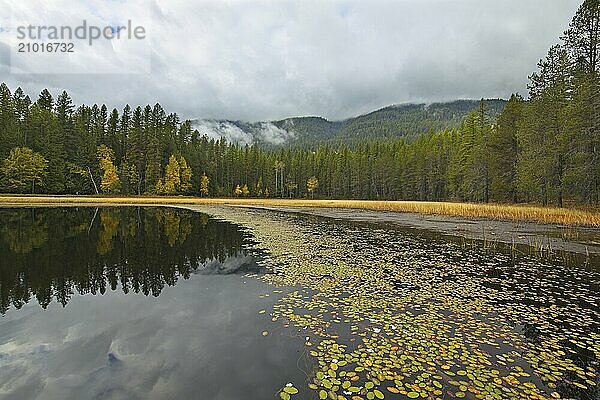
[53,253]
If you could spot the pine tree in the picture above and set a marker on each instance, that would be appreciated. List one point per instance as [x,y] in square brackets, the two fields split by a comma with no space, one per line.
[45,100]
[112,135]
[544,139]
[21,104]
[504,151]
[8,122]
[49,140]
[64,113]
[582,39]
[135,151]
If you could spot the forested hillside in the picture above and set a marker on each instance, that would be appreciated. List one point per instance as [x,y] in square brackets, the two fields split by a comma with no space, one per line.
[310,130]
[545,149]
[412,120]
[406,121]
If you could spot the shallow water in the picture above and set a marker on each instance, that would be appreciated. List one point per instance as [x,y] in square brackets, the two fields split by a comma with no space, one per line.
[406,313]
[135,303]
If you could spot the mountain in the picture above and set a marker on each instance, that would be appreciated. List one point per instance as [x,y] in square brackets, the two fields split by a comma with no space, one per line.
[410,120]
[310,128]
[396,121]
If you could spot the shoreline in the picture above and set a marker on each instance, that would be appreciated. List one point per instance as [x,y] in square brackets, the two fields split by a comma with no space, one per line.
[472,211]
[541,237]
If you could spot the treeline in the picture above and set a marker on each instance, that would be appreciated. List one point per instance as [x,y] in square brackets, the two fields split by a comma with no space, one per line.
[48,146]
[558,128]
[544,149]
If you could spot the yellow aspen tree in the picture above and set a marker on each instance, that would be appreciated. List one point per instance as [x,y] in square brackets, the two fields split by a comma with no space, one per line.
[204,181]
[110,178]
[311,185]
[172,176]
[185,176]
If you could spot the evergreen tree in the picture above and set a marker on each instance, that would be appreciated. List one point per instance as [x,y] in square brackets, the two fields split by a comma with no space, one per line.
[504,151]
[8,122]
[582,39]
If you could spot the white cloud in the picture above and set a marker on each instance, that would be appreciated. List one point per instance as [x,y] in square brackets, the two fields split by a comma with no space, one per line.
[271,134]
[221,129]
[263,132]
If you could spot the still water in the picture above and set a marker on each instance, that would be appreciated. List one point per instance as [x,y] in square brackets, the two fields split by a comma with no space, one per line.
[135,303]
[162,303]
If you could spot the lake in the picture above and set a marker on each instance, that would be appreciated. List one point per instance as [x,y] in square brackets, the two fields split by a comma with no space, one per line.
[134,302]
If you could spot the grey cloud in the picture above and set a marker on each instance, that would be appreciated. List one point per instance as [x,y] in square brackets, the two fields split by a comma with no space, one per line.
[266,60]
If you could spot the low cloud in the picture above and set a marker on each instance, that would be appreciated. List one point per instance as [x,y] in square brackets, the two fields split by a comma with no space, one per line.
[271,134]
[243,133]
[222,129]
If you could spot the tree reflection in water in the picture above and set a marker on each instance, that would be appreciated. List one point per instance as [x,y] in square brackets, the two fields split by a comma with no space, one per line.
[52,253]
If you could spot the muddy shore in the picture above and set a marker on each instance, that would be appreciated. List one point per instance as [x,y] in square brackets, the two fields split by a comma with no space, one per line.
[540,237]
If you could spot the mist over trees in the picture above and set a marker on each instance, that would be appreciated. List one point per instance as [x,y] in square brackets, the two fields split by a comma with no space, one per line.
[542,149]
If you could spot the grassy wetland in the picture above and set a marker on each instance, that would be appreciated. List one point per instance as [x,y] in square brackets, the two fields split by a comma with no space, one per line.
[509,212]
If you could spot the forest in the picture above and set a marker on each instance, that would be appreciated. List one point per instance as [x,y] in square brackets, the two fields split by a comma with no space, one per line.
[544,148]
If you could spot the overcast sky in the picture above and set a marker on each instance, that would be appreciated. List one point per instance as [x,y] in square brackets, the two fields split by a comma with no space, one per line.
[264,60]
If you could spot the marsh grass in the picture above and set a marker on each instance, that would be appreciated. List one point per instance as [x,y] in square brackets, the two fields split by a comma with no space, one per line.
[526,213]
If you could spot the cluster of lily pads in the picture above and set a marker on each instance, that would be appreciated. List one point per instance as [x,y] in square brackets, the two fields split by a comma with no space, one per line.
[389,315]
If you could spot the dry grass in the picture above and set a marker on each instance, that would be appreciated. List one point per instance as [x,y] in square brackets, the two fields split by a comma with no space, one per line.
[546,215]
